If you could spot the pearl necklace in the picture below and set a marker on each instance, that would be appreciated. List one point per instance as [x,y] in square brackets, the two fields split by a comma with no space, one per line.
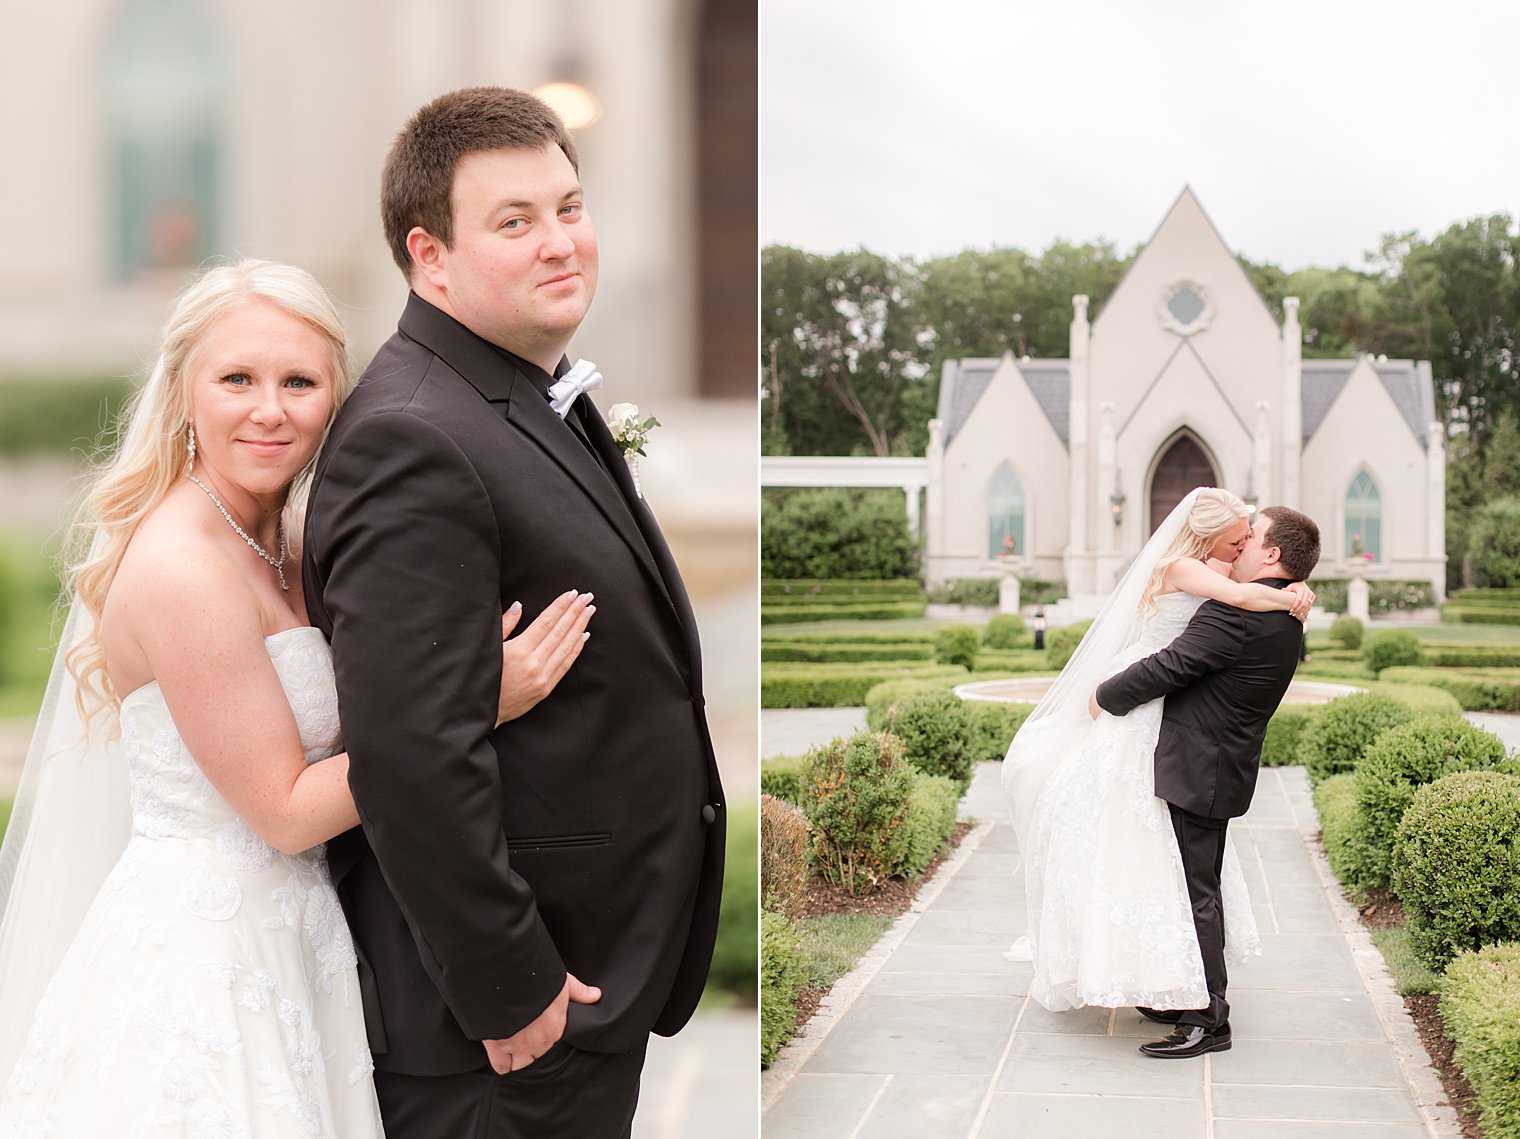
[279,566]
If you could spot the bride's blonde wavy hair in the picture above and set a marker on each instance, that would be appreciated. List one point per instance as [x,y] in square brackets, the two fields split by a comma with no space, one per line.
[152,448]
[1210,517]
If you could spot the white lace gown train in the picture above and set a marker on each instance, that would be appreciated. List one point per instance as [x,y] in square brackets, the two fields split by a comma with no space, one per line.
[1109,919]
[212,991]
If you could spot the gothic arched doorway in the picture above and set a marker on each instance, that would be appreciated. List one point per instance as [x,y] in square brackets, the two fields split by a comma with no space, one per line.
[1183,465]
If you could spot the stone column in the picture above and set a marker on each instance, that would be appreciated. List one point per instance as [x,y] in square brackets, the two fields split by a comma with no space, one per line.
[1356,599]
[1078,542]
[1008,593]
[1292,409]
[934,505]
[1435,503]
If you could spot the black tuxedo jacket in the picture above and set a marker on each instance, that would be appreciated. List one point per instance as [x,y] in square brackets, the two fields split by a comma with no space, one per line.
[586,835]
[1222,677]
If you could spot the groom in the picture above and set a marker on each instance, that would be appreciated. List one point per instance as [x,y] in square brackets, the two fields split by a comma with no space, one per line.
[1222,677]
[505,874]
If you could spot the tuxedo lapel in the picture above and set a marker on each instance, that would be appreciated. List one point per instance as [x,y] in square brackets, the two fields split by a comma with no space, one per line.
[670,578]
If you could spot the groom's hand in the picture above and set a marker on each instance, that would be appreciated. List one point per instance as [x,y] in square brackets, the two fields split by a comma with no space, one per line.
[529,1043]
[533,662]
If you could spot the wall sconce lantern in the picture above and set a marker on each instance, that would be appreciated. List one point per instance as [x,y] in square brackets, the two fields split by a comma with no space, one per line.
[1116,505]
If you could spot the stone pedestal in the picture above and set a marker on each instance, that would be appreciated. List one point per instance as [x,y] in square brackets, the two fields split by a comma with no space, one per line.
[1356,599]
[1008,593]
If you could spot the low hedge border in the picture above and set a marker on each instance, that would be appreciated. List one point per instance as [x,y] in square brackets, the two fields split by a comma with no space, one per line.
[805,637]
[904,588]
[842,686]
[884,611]
[825,652]
[1475,691]
[1475,615]
[1480,1002]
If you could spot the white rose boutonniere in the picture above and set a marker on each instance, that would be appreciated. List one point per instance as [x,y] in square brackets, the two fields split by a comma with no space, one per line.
[631,435]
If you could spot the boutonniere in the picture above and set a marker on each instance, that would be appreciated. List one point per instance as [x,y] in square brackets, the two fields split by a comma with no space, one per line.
[631,435]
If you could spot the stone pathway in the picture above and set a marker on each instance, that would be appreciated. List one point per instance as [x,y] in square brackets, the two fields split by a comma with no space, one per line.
[933,1033]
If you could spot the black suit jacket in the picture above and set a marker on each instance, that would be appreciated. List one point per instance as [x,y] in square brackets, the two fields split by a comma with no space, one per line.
[586,835]
[1222,677]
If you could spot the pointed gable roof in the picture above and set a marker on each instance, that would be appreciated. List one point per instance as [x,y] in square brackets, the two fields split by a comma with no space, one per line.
[963,382]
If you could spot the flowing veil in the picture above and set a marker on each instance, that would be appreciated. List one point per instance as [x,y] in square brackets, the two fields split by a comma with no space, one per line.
[68,826]
[1047,735]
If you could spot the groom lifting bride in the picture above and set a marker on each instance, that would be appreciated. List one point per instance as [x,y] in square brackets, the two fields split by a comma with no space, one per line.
[1134,894]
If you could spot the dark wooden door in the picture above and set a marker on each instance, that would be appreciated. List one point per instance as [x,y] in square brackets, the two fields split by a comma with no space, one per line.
[1183,466]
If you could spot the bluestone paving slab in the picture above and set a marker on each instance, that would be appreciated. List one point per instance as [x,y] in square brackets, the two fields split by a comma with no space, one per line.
[932,957]
[1345,1064]
[822,1105]
[1270,1101]
[1063,1064]
[1299,961]
[886,1034]
[915,1107]
[1307,1129]
[986,895]
[984,984]
[967,928]
[1260,1014]
[1090,1117]
[1074,1022]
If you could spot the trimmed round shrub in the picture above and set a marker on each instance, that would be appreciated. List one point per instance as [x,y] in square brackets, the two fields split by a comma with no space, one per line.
[931,821]
[784,842]
[1392,647]
[1006,631]
[781,975]
[1456,863]
[993,724]
[1061,643]
[1400,762]
[855,794]
[1480,1002]
[1340,825]
[883,698]
[1285,731]
[957,644]
[1345,728]
[936,730]
[1346,631]
[781,778]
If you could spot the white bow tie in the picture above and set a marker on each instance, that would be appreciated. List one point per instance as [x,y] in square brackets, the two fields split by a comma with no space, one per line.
[583,377]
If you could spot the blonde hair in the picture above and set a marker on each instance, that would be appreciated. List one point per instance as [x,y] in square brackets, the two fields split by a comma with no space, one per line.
[1210,517]
[152,449]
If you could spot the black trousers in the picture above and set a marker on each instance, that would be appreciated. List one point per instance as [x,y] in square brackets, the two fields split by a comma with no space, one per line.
[565,1094]
[1201,841]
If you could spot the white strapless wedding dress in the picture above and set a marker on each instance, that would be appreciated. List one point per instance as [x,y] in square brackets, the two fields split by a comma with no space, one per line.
[1110,922]
[212,989]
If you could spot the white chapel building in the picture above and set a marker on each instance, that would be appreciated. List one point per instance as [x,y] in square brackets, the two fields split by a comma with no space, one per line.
[1062,468]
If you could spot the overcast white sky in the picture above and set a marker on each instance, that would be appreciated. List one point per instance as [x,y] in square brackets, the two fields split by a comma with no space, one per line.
[1308,128]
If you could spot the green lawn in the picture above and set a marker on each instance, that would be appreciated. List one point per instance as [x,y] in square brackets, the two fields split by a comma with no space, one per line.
[27,594]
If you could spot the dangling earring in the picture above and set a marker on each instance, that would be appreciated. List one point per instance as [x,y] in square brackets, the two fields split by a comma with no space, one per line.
[191,467]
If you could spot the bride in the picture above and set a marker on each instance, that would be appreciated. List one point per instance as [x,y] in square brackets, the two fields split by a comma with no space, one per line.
[1110,922]
[165,850]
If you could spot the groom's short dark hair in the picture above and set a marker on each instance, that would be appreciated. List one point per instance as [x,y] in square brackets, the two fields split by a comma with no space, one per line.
[1296,537]
[417,184]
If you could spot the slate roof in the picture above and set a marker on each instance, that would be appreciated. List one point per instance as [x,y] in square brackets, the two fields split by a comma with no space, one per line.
[962,387]
[1408,383]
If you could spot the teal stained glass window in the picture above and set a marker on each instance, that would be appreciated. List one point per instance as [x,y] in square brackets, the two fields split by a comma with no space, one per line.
[1005,515]
[1364,519]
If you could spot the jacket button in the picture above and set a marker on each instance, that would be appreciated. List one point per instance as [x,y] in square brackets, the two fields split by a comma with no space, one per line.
[709,816]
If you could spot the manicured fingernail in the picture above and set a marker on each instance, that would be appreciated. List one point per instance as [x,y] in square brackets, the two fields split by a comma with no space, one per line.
[515,607]
[590,609]
[589,596]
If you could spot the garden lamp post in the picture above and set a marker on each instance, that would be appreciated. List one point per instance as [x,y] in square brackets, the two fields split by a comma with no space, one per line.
[1039,628]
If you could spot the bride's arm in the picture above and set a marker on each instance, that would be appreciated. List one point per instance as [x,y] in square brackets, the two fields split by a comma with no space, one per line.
[1192,576]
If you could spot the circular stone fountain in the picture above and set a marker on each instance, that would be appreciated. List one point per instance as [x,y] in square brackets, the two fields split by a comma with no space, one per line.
[1029,689]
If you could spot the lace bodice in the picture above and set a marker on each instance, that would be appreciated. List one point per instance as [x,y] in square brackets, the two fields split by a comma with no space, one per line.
[1160,627]
[171,796]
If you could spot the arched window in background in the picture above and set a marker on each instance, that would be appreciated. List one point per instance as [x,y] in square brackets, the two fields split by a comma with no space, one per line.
[1364,519]
[164,81]
[1005,515]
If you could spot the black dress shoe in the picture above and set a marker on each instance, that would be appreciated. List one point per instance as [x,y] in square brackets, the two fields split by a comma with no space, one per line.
[1188,1040]
[1160,1015]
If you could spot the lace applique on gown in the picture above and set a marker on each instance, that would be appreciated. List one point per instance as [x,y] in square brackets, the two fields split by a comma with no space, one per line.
[1110,922]
[212,988]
